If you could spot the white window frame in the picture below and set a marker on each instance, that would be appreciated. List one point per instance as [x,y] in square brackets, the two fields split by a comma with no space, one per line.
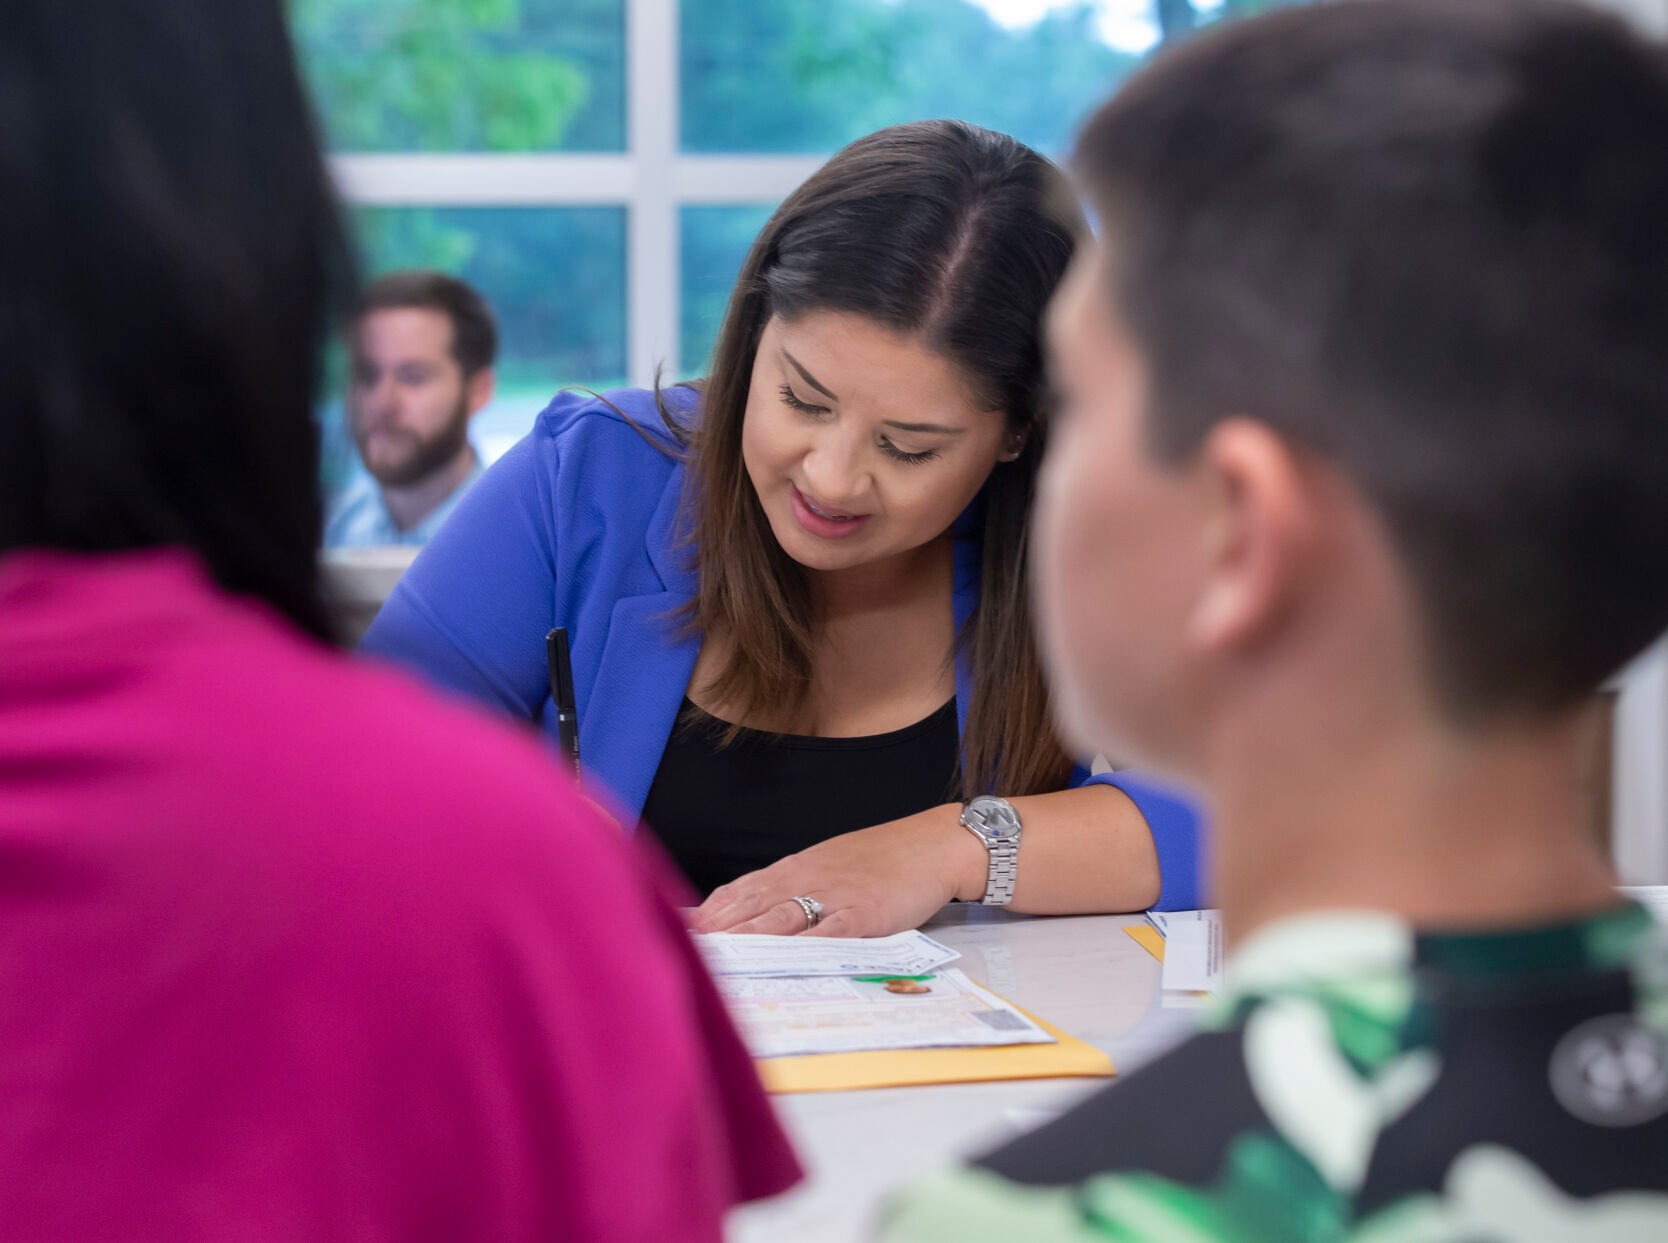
[651,180]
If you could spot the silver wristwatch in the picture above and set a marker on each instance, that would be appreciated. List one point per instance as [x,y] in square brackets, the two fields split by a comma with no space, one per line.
[995,823]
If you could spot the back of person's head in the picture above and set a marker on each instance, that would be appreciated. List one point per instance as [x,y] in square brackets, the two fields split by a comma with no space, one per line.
[173,262]
[474,328]
[1427,241]
[956,237]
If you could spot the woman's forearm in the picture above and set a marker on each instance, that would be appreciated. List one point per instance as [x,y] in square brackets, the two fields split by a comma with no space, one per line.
[1083,851]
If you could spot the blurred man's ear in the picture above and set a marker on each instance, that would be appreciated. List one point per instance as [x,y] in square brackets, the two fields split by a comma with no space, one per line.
[479,388]
[1258,539]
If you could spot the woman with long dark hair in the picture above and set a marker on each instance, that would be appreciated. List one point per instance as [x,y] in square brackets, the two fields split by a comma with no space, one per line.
[286,945]
[796,590]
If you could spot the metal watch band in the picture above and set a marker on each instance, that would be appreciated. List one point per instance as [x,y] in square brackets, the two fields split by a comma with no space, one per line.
[1004,869]
[1001,844]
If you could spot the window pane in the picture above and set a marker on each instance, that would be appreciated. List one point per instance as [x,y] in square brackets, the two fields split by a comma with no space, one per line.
[466,75]
[809,75]
[714,241]
[555,278]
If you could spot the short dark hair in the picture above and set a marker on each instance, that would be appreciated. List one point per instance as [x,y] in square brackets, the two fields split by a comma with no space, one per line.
[474,329]
[174,264]
[1427,240]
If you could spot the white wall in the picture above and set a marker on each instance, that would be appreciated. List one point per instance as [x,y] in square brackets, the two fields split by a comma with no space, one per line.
[1639,812]
[1639,820]
[1652,15]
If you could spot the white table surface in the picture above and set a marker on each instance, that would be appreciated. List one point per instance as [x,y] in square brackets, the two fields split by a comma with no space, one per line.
[1082,974]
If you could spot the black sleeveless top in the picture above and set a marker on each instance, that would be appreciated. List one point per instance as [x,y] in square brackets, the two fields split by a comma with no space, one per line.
[722,812]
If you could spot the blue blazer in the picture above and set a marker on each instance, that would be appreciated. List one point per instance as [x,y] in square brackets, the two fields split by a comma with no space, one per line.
[580,525]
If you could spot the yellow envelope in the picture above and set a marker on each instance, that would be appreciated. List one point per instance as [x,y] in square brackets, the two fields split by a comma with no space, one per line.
[896,1068]
[1148,938]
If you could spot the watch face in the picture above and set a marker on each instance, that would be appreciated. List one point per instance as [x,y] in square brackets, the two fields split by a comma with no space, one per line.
[995,817]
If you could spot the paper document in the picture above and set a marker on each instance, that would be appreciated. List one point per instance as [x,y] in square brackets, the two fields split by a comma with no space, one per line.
[1654,898]
[828,1014]
[1193,956]
[1164,920]
[1067,1057]
[904,953]
[1192,948]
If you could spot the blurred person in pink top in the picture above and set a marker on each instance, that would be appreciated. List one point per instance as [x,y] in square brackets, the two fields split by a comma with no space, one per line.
[288,949]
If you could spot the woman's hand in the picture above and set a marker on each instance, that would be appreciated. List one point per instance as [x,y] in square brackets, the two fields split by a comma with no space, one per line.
[871,883]
[1084,851]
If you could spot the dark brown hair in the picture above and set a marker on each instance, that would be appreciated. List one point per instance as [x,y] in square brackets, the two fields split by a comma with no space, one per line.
[474,329]
[1429,242]
[956,235]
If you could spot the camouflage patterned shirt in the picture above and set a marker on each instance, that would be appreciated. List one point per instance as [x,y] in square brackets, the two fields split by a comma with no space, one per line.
[1363,1081]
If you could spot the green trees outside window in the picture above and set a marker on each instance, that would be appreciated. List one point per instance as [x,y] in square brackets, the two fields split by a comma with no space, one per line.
[755,77]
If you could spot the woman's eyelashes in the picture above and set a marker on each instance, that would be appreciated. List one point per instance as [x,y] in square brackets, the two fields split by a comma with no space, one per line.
[898,455]
[792,400]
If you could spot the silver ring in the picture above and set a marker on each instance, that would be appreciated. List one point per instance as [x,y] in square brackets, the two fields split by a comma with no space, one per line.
[812,909]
